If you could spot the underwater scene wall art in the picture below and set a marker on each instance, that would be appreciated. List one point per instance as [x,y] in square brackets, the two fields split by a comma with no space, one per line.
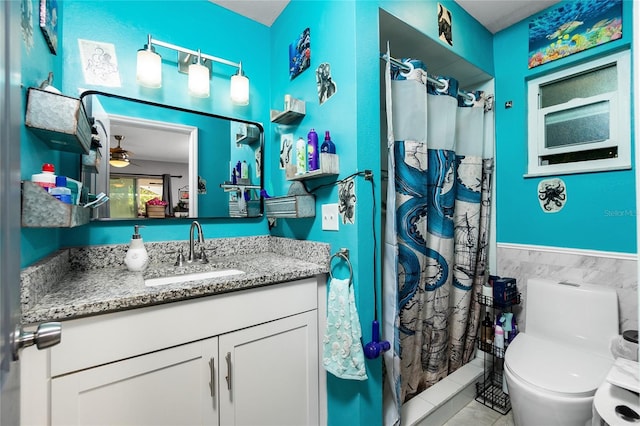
[573,27]
[300,54]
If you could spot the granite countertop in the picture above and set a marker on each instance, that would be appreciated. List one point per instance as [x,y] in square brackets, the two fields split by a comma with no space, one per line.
[80,282]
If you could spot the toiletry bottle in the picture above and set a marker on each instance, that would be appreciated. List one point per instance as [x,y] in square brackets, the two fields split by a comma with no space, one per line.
[301,157]
[137,257]
[514,329]
[487,330]
[46,179]
[60,191]
[499,341]
[487,293]
[507,325]
[327,146]
[244,170]
[312,150]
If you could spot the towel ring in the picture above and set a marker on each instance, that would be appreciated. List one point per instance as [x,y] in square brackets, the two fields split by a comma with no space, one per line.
[344,254]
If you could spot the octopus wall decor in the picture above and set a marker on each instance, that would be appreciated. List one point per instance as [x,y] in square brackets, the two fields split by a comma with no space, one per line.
[552,195]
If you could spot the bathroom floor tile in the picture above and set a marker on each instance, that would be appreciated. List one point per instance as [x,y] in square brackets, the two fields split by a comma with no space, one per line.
[506,420]
[475,414]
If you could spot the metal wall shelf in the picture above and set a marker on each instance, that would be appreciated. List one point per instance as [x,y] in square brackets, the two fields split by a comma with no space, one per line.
[329,166]
[60,121]
[41,210]
[297,203]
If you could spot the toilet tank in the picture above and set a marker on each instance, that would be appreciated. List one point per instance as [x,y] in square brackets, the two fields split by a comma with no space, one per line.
[577,314]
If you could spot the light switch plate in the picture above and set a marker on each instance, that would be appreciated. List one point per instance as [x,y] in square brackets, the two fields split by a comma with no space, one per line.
[330,217]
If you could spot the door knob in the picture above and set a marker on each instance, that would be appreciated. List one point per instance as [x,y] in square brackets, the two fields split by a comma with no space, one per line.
[46,335]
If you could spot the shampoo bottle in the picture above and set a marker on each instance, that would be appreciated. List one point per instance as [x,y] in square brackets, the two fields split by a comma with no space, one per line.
[136,258]
[312,150]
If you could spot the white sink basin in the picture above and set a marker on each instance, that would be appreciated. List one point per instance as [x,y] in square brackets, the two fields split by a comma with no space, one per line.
[174,279]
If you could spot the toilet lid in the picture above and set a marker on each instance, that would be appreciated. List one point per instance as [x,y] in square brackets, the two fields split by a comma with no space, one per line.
[555,367]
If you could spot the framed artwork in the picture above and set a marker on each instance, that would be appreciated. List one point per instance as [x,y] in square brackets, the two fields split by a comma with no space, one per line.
[99,63]
[445,25]
[286,148]
[325,84]
[572,28]
[49,23]
[300,54]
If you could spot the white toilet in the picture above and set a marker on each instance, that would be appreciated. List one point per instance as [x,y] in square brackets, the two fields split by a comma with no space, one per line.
[554,368]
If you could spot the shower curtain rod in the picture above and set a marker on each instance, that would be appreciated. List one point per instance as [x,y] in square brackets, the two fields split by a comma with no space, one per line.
[431,80]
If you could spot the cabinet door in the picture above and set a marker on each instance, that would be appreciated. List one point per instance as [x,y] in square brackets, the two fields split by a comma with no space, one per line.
[169,387]
[269,373]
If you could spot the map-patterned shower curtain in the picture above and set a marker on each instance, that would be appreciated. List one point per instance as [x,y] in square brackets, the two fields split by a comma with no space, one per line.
[436,234]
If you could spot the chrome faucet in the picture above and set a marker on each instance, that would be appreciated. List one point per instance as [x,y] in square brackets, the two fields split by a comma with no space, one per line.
[193,256]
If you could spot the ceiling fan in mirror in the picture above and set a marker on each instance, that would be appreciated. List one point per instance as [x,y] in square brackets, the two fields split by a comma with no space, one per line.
[120,157]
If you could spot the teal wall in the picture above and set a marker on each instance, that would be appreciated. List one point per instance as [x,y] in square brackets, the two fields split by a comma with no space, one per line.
[600,209]
[332,35]
[471,40]
[345,34]
[36,63]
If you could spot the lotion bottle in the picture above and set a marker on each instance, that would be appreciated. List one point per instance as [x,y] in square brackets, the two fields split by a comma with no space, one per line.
[136,258]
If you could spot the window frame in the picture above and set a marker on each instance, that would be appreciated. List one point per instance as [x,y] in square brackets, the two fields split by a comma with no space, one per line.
[619,120]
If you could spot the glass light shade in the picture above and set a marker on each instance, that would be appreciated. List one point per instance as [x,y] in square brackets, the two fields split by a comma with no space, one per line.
[149,69]
[239,89]
[199,80]
[119,163]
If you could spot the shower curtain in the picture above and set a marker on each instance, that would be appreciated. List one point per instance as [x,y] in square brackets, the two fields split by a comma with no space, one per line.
[436,231]
[167,194]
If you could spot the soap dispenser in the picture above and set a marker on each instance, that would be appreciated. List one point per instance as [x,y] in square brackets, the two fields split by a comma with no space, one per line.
[136,258]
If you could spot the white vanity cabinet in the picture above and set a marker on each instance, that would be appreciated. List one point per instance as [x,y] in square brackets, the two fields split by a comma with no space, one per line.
[266,373]
[168,387]
[242,358]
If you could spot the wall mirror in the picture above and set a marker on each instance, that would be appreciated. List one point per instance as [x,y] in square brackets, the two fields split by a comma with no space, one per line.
[200,165]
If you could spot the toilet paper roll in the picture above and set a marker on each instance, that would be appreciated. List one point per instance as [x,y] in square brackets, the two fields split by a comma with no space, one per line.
[621,348]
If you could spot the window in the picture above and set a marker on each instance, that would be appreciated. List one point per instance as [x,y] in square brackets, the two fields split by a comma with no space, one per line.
[129,194]
[579,118]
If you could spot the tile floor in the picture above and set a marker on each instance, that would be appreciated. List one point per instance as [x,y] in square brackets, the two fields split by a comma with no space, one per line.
[477,414]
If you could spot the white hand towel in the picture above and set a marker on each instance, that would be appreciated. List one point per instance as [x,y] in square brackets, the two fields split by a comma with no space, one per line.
[342,353]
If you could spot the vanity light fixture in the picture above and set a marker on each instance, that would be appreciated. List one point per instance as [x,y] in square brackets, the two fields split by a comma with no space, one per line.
[193,62]
[239,88]
[199,79]
[149,67]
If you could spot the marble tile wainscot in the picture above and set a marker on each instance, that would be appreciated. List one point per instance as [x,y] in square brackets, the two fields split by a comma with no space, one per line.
[616,270]
[77,282]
